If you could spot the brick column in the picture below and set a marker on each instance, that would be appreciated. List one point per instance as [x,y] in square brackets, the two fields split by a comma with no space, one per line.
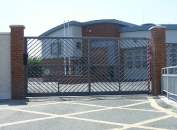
[17,66]
[158,57]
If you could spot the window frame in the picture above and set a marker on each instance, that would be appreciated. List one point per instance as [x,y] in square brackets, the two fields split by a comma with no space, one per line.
[50,68]
[93,71]
[78,47]
[58,50]
[80,70]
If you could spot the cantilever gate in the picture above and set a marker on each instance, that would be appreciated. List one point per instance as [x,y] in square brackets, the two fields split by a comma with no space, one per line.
[83,66]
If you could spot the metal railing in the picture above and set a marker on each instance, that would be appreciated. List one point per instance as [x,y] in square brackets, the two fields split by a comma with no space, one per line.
[169,80]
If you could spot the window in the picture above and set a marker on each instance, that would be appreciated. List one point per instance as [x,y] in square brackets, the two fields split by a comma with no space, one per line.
[144,63]
[66,69]
[144,52]
[138,64]
[78,70]
[130,64]
[137,52]
[111,71]
[78,45]
[130,53]
[137,57]
[174,55]
[173,50]
[129,58]
[47,71]
[55,48]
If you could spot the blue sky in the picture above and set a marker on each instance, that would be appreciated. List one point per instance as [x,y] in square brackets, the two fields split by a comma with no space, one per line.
[40,15]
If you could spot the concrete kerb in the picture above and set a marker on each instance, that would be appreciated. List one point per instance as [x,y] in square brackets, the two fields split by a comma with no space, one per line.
[169,102]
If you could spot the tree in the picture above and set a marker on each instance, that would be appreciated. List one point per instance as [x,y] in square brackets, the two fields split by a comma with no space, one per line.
[34,67]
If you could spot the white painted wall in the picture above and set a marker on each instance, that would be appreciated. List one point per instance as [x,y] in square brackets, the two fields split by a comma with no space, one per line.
[171,35]
[136,34]
[5,66]
[74,31]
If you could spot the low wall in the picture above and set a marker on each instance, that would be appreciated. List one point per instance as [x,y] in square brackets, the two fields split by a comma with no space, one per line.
[5,66]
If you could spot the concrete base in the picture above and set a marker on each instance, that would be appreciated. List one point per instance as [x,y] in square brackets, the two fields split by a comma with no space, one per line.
[5,96]
[172,101]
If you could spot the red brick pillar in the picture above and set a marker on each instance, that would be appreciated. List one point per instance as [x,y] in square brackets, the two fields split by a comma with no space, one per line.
[17,66]
[158,57]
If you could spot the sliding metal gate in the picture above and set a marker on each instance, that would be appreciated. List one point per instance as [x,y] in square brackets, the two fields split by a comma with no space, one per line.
[83,66]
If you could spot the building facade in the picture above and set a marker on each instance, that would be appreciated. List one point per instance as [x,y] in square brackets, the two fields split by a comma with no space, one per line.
[72,54]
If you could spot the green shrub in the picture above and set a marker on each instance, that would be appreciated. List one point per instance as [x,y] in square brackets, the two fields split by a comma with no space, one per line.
[34,67]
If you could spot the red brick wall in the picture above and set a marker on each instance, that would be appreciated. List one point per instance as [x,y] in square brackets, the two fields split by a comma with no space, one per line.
[99,56]
[158,57]
[73,79]
[101,30]
[98,30]
[17,67]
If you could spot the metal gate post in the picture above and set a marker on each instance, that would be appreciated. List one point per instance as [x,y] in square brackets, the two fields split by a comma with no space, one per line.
[26,65]
[58,66]
[119,65]
[89,74]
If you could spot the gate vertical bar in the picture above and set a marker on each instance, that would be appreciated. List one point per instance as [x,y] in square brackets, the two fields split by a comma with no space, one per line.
[168,83]
[58,66]
[119,64]
[89,74]
[26,66]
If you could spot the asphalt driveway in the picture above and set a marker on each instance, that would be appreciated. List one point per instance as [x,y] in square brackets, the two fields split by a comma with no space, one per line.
[133,112]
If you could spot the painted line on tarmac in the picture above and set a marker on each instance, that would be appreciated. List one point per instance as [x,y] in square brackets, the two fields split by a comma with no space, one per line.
[137,100]
[156,106]
[2,108]
[135,125]
[110,123]
[55,115]
[45,104]
[107,108]
[143,127]
[152,120]
[83,112]
[77,113]
[84,104]
[26,121]
[134,104]
[34,112]
[140,110]
[67,115]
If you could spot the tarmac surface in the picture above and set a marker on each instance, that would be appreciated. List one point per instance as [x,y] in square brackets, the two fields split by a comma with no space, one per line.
[129,112]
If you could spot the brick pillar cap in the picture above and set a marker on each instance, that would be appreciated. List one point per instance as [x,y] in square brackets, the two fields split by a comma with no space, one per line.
[158,26]
[18,26]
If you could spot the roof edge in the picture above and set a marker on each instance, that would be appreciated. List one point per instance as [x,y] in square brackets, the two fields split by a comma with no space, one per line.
[146,28]
[80,24]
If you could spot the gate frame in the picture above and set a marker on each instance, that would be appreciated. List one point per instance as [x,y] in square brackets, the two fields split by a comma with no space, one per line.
[119,92]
